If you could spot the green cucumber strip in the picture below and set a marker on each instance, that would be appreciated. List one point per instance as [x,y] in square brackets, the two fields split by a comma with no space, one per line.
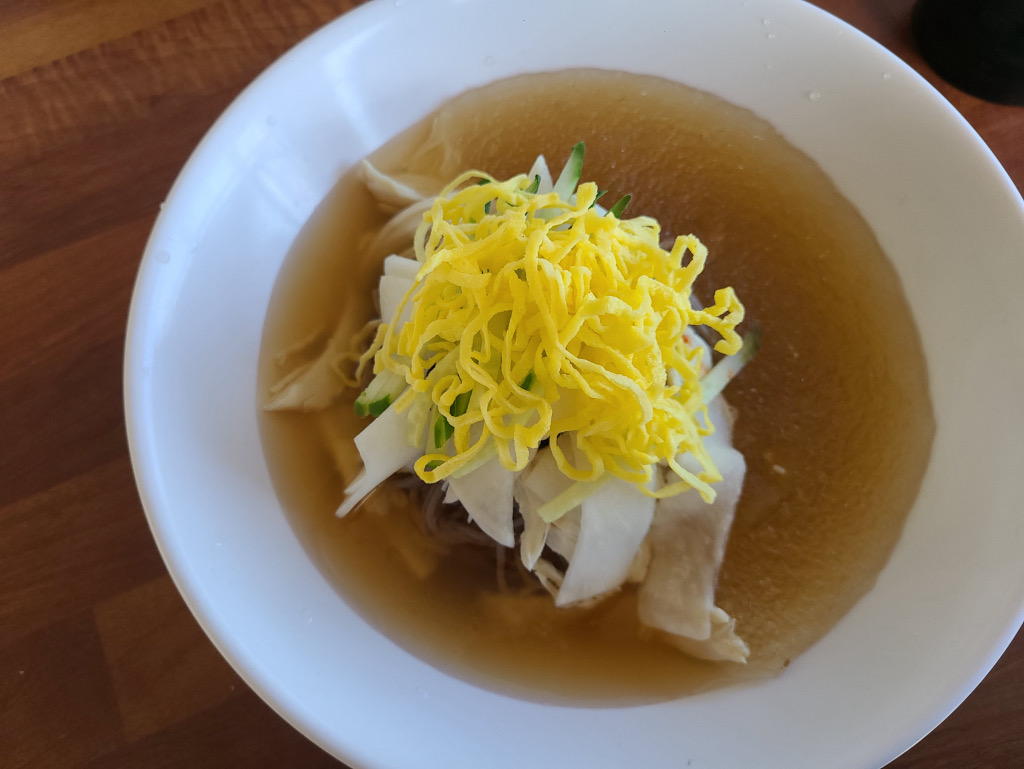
[528,381]
[618,209]
[534,185]
[419,412]
[600,194]
[379,406]
[569,179]
[461,404]
[443,430]
[386,384]
[433,464]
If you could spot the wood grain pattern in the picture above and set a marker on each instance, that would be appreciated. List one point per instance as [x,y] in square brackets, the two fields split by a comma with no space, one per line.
[38,33]
[162,667]
[101,665]
[58,708]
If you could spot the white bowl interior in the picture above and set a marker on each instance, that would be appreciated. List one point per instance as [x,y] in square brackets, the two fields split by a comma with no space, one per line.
[944,607]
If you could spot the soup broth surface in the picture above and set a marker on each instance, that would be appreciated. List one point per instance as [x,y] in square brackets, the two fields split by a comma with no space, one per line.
[833,415]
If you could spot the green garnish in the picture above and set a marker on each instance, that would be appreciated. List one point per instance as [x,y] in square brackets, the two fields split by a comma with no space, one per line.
[379,394]
[379,406]
[569,179]
[443,430]
[618,209]
[461,404]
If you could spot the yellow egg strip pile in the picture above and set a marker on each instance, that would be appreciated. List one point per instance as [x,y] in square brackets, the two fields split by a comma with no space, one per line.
[566,324]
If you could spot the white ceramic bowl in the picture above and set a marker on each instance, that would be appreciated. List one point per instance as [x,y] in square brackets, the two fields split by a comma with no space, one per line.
[944,607]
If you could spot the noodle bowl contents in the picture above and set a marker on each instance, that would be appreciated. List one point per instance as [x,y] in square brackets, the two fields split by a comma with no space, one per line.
[514,399]
[542,361]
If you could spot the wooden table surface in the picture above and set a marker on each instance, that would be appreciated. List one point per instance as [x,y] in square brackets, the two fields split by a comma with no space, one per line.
[101,665]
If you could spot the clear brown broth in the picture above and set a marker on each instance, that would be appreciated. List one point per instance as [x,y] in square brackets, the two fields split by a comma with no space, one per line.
[835,418]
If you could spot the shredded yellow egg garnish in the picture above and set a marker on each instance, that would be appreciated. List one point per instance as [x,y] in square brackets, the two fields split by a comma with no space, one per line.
[556,322]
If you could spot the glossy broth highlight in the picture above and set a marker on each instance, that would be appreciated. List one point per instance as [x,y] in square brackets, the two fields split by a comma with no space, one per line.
[834,415]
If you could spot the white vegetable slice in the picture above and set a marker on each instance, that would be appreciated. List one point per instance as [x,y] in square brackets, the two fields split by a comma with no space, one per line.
[543,479]
[540,482]
[550,577]
[486,493]
[401,267]
[392,290]
[565,533]
[613,524]
[569,179]
[384,452]
[535,528]
[540,168]
[450,497]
